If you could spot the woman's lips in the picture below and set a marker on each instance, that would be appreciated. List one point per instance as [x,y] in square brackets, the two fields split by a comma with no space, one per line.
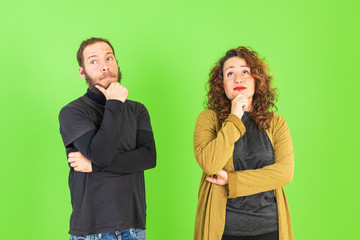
[239,88]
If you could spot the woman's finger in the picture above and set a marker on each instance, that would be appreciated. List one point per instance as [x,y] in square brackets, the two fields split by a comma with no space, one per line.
[211,179]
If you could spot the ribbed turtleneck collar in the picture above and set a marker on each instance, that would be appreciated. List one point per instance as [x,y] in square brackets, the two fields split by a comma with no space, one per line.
[245,116]
[97,97]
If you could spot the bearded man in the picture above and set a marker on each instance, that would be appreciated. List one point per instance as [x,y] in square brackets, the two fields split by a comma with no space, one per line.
[109,143]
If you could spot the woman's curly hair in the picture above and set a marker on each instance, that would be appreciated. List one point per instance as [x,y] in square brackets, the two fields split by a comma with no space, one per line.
[264,95]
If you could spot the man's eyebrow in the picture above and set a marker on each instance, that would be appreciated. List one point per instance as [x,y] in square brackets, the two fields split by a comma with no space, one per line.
[91,56]
[97,55]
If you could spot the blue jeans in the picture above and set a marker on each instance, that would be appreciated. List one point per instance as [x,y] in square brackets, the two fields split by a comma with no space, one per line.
[130,234]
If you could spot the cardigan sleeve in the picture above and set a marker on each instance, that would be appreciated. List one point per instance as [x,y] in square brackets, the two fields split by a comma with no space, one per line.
[279,174]
[213,150]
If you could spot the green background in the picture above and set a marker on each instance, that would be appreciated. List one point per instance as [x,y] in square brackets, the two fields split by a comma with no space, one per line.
[165,50]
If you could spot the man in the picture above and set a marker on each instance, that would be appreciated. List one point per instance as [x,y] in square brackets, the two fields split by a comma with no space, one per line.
[109,142]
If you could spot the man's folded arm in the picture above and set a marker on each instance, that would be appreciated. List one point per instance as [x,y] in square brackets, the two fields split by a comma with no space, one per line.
[139,159]
[143,157]
[99,146]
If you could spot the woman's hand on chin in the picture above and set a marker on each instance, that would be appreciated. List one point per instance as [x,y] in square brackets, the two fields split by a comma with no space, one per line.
[238,105]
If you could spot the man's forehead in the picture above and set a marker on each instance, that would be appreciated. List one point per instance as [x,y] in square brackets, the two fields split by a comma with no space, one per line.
[98,48]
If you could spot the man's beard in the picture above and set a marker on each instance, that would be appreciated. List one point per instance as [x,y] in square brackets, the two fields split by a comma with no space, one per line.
[90,81]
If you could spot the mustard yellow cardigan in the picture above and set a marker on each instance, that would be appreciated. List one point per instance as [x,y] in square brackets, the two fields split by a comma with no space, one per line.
[213,148]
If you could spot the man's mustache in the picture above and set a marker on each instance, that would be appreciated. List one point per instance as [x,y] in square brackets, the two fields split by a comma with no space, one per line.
[105,75]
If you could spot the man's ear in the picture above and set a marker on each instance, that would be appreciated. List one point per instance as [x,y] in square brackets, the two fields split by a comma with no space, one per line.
[81,72]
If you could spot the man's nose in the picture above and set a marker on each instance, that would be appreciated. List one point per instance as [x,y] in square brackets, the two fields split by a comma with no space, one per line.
[104,67]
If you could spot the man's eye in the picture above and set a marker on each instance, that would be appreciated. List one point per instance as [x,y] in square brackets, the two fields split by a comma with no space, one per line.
[109,58]
[93,62]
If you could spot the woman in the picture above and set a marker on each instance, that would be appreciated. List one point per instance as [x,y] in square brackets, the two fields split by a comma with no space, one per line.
[245,152]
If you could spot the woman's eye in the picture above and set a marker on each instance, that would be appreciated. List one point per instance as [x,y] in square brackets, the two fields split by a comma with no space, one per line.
[93,62]
[245,72]
[229,74]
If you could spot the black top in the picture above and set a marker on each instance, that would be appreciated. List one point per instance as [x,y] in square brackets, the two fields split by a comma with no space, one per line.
[255,214]
[117,138]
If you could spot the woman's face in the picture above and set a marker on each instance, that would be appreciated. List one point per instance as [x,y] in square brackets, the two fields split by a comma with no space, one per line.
[237,79]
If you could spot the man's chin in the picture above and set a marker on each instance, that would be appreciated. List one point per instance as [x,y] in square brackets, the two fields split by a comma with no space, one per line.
[105,83]
[95,90]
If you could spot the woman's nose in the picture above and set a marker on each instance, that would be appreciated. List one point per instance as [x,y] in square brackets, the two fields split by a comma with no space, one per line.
[238,79]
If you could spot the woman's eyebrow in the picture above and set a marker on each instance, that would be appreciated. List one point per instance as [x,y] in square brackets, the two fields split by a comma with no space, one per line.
[240,66]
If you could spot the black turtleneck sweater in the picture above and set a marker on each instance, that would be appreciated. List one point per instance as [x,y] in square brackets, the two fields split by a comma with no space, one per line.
[117,138]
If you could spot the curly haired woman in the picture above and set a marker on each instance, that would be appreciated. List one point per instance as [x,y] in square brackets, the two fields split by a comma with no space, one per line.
[245,152]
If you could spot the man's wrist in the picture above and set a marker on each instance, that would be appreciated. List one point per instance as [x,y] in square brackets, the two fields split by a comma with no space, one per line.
[95,168]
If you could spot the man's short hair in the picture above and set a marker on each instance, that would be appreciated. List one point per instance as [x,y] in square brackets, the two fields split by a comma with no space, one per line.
[87,42]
